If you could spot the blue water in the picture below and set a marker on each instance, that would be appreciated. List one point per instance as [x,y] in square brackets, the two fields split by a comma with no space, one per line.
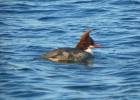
[30,28]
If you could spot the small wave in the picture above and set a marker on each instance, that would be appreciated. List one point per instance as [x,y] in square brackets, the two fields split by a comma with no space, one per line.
[80,2]
[26,93]
[25,69]
[2,23]
[21,11]
[128,19]
[125,2]
[47,18]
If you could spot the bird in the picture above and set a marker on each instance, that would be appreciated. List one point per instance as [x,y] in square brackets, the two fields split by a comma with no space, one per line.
[81,52]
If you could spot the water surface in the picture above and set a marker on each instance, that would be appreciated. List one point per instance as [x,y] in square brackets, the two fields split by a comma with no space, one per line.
[31,28]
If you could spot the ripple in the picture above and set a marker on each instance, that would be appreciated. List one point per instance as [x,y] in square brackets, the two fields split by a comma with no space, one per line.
[2,24]
[26,94]
[48,18]
[84,87]
[125,2]
[128,19]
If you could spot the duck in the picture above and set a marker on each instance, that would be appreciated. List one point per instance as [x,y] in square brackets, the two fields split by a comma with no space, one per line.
[81,52]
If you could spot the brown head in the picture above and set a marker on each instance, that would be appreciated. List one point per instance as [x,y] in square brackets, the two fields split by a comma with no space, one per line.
[87,42]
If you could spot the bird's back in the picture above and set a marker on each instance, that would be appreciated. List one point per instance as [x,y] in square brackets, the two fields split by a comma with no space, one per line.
[71,54]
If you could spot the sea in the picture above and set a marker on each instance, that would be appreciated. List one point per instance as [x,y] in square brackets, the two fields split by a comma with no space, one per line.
[30,28]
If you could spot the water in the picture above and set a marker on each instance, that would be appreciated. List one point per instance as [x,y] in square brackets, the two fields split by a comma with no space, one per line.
[31,28]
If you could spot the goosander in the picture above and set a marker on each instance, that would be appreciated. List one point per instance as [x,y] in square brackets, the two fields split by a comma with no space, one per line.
[81,52]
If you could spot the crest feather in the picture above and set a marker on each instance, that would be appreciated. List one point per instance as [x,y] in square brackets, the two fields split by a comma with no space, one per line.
[85,35]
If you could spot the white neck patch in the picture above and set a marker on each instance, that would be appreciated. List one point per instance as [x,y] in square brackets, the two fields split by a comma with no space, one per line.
[89,51]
